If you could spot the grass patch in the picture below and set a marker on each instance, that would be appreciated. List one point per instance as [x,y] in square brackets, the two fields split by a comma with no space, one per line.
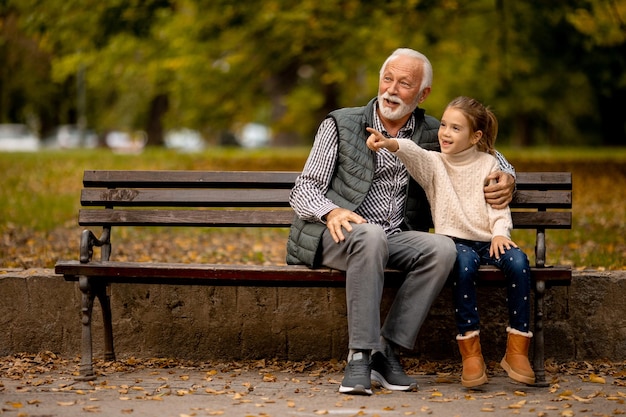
[39,199]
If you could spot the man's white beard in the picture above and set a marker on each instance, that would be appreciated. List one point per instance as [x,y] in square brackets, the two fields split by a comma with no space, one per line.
[398,113]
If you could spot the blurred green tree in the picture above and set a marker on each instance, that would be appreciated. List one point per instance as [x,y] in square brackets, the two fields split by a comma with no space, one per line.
[552,71]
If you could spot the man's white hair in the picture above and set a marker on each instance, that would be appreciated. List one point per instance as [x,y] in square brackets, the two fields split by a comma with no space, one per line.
[427,68]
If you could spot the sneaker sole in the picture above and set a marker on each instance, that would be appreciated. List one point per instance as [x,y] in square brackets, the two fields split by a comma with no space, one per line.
[356,390]
[377,377]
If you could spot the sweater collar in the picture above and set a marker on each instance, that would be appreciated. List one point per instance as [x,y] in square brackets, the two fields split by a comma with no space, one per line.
[463,157]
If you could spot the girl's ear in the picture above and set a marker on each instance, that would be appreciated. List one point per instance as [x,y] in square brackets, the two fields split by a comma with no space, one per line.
[476,136]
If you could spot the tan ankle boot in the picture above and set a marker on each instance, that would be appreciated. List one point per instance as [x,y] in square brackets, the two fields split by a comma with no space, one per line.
[515,361]
[474,369]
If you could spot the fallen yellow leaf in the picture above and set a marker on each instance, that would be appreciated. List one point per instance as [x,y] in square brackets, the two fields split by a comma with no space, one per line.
[596,379]
[269,378]
[92,408]
[519,404]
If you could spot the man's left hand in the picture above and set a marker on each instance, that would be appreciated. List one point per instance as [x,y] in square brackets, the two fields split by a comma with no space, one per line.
[499,188]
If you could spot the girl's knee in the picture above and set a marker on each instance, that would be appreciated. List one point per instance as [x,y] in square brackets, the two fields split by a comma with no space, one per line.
[517,258]
[466,258]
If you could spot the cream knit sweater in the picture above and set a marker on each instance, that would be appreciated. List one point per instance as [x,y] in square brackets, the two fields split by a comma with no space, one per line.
[454,187]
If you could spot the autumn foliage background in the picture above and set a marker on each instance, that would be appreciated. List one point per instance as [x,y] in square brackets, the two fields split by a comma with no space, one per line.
[40,193]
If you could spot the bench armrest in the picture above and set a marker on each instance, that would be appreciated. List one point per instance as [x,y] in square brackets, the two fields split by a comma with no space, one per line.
[87,242]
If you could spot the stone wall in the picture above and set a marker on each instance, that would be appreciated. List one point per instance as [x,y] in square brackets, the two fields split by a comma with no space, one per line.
[40,311]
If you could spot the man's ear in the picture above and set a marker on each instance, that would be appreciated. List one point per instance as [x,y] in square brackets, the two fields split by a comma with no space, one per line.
[424,94]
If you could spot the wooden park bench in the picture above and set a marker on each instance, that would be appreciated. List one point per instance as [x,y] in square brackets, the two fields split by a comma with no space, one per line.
[112,199]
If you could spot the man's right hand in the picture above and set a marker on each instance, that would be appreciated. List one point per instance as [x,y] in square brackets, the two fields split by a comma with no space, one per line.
[340,218]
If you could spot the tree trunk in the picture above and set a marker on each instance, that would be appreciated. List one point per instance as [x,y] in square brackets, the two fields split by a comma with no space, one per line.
[154,128]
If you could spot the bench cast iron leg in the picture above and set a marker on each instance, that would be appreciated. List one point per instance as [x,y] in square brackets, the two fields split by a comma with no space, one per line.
[538,357]
[105,304]
[89,292]
[86,358]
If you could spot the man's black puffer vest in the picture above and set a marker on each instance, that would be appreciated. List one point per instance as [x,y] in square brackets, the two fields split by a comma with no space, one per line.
[353,176]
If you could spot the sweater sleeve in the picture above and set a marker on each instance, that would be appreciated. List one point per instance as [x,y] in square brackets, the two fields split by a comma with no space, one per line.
[500,222]
[417,161]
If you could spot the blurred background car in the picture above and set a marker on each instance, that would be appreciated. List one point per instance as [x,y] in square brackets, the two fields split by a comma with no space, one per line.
[18,138]
[254,135]
[120,141]
[69,137]
[184,140]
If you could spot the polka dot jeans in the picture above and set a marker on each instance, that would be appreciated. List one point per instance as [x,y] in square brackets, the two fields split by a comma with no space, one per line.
[514,264]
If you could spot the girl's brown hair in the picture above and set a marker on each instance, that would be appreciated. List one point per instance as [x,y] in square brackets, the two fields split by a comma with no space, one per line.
[480,118]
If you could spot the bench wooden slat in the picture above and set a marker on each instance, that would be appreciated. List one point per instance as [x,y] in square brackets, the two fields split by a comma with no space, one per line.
[542,219]
[186,197]
[257,275]
[269,218]
[229,197]
[551,180]
[542,199]
[189,179]
[266,218]
[262,179]
[191,218]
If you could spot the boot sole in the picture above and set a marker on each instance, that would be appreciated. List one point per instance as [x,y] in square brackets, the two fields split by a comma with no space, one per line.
[469,383]
[514,375]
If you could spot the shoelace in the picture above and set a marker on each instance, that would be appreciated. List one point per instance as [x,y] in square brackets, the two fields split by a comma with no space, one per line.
[359,368]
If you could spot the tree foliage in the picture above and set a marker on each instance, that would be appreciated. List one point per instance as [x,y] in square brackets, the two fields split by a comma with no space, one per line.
[554,72]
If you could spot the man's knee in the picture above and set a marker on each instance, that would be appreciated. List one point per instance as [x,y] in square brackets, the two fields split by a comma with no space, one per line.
[370,237]
[445,249]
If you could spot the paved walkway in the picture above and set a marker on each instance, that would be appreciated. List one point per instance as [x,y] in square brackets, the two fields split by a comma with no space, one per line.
[256,390]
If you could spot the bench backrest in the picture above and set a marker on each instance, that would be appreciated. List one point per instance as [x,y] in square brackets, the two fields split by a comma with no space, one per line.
[543,200]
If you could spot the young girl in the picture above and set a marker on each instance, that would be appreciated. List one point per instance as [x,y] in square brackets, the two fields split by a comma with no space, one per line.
[453,181]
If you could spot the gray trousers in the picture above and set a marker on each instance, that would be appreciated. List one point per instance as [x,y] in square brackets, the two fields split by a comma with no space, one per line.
[426,257]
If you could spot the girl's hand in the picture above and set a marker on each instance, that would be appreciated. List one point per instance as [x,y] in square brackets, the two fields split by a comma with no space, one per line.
[499,245]
[377,141]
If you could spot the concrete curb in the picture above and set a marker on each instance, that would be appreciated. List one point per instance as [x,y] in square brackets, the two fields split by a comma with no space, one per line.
[40,311]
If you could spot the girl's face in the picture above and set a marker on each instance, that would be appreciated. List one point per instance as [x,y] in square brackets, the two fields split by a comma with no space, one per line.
[455,134]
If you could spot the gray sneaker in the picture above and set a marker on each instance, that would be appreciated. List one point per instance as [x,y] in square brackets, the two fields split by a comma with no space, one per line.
[356,379]
[387,371]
